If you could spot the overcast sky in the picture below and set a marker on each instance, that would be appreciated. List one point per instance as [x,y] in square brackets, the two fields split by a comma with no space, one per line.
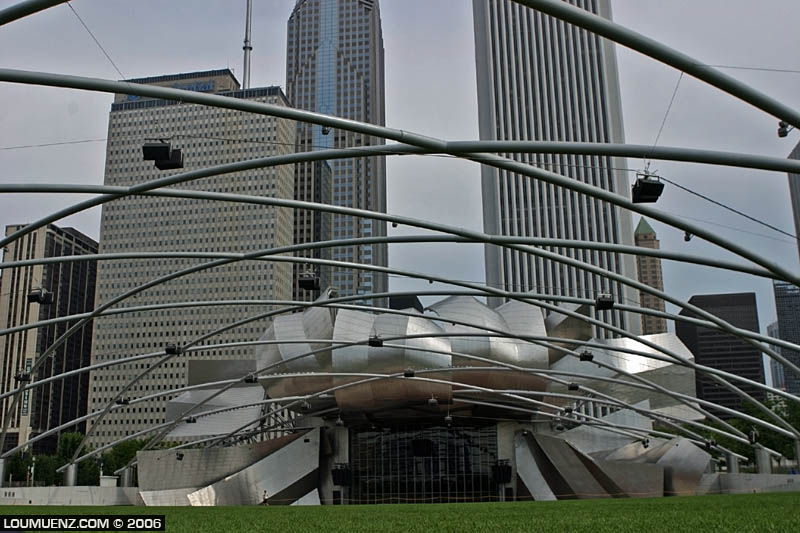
[430,89]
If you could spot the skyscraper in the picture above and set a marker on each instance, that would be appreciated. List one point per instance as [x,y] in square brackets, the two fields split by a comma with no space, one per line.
[776,369]
[649,271]
[334,65]
[721,350]
[794,194]
[207,136]
[543,79]
[787,305]
[71,288]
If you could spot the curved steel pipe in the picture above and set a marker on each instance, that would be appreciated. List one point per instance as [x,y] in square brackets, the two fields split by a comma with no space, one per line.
[665,54]
[200,303]
[553,307]
[402,239]
[555,257]
[23,9]
[430,143]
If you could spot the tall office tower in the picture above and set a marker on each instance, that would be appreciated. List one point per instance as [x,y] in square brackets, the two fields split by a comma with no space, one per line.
[776,369]
[146,224]
[334,65]
[721,350]
[34,293]
[794,194]
[649,271]
[787,305]
[542,79]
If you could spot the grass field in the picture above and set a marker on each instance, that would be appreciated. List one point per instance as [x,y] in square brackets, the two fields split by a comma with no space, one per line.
[703,514]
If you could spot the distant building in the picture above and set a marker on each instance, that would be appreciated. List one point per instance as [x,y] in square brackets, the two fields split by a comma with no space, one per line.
[649,270]
[787,306]
[406,302]
[794,194]
[207,136]
[72,285]
[721,350]
[776,369]
[541,79]
[335,66]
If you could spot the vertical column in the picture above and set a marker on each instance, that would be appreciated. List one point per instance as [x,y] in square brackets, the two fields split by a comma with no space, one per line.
[763,461]
[797,454]
[2,470]
[126,477]
[71,475]
[733,463]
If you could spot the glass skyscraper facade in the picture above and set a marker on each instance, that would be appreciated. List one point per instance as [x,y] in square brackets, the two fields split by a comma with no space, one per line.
[334,65]
[72,285]
[794,193]
[723,350]
[787,305]
[541,79]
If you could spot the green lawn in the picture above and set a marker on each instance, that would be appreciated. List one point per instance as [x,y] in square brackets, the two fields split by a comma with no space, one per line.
[702,514]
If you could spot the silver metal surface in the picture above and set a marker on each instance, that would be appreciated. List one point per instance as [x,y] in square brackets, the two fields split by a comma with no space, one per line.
[167,498]
[529,471]
[763,460]
[592,439]
[620,364]
[271,475]
[432,143]
[199,467]
[684,464]
[71,475]
[215,424]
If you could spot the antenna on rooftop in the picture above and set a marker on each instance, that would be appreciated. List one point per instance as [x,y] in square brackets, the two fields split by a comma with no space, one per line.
[247,47]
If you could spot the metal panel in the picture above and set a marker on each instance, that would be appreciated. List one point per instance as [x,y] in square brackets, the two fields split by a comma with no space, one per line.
[591,439]
[683,462]
[529,472]
[352,326]
[161,470]
[206,371]
[167,498]
[567,327]
[220,423]
[469,309]
[391,360]
[271,475]
[290,327]
[671,376]
[525,319]
[626,480]
[564,459]
[312,498]
[684,465]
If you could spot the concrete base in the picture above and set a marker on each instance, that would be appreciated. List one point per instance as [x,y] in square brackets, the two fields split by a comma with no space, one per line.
[748,483]
[170,498]
[108,481]
[69,496]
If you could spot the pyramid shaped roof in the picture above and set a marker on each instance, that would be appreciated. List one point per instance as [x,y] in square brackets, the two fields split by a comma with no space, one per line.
[644,228]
